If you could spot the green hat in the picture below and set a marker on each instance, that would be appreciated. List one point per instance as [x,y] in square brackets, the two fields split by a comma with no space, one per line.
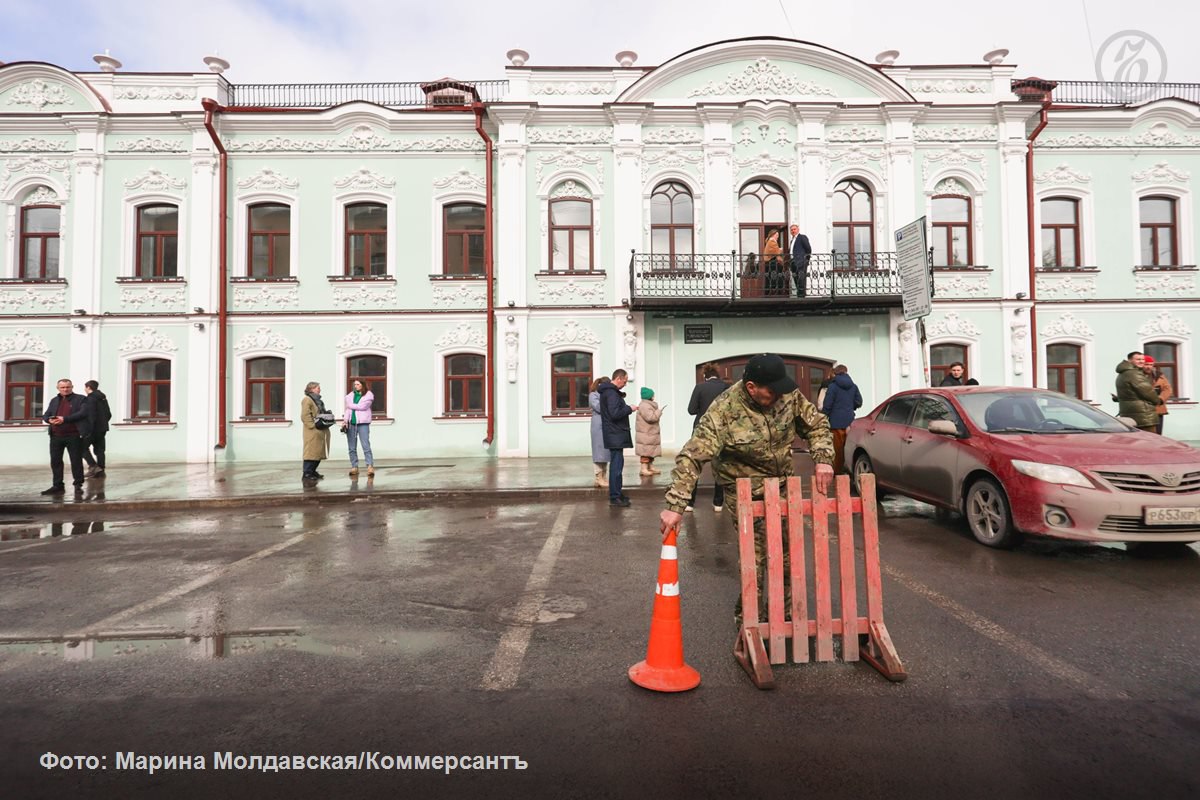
[647,393]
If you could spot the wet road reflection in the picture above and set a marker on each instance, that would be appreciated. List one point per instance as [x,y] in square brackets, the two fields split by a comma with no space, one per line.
[142,643]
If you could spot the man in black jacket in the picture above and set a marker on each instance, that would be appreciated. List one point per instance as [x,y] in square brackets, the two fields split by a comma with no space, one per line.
[68,417]
[703,395]
[99,415]
[614,415]
[801,253]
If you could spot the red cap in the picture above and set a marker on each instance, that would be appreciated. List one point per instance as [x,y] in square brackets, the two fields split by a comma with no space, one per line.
[1149,360]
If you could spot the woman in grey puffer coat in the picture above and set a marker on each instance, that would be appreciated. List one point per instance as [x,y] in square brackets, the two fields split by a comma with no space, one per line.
[600,454]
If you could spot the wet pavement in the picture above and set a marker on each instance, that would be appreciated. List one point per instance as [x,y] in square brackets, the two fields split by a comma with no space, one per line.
[506,629]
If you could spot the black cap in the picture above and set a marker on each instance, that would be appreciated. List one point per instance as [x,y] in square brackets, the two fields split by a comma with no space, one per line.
[769,370]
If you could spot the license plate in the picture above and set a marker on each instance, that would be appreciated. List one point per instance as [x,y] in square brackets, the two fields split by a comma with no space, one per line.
[1171,516]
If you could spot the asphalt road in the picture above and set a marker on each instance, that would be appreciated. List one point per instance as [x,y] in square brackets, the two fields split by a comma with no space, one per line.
[1055,671]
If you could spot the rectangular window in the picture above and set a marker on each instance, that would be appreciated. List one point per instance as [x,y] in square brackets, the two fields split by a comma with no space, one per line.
[264,387]
[571,234]
[1064,369]
[464,385]
[941,356]
[23,384]
[1166,361]
[39,242]
[372,371]
[1158,216]
[158,242]
[366,240]
[269,234]
[462,237]
[151,389]
[951,231]
[570,376]
[1060,232]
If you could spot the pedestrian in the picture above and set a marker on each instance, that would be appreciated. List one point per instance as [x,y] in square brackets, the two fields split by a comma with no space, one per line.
[1162,387]
[970,382]
[841,400]
[703,396]
[67,414]
[749,430]
[773,274]
[316,421]
[1136,397]
[801,254]
[649,433]
[823,389]
[356,424]
[600,454]
[99,415]
[954,375]
[615,420]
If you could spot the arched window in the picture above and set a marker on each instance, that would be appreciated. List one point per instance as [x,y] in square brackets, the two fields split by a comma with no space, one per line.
[1060,232]
[1166,359]
[462,239]
[762,208]
[23,384]
[464,384]
[1064,369]
[372,371]
[853,224]
[39,242]
[571,233]
[158,241]
[269,246]
[151,389]
[366,239]
[951,231]
[941,356]
[570,376]
[1160,237]
[672,220]
[264,386]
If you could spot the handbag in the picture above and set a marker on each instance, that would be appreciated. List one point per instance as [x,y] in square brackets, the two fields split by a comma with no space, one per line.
[324,421]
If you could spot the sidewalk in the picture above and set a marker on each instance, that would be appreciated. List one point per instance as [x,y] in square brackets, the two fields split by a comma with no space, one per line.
[173,487]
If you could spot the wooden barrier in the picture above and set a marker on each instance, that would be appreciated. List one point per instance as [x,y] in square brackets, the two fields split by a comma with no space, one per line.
[763,643]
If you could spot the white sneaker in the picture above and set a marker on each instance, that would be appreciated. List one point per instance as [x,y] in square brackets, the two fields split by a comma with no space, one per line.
[688,508]
[718,509]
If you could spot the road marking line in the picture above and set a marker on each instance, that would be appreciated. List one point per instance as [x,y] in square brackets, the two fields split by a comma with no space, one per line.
[1084,681]
[502,673]
[191,586]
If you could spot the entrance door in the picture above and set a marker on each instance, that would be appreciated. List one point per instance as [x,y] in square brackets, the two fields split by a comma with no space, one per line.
[806,371]
[762,208]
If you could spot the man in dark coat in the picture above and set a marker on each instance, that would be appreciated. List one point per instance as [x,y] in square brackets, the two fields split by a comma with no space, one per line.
[954,375]
[703,395]
[68,417]
[99,414]
[614,415]
[801,253]
[841,399]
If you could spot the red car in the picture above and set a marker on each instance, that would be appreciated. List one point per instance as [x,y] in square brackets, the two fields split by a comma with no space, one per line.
[1016,461]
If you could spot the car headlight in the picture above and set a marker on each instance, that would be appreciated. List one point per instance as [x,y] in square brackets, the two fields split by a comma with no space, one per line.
[1052,473]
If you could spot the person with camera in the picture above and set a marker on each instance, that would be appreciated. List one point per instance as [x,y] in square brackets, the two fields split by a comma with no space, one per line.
[357,425]
[316,421]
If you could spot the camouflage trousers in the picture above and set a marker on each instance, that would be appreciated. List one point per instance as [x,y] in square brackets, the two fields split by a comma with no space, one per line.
[760,560]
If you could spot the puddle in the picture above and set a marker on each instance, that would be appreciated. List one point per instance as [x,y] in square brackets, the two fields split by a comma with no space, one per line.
[48,530]
[148,643]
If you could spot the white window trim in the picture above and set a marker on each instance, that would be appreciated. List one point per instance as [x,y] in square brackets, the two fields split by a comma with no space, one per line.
[125,392]
[339,229]
[343,360]
[129,232]
[49,385]
[1184,221]
[439,382]
[976,190]
[879,203]
[437,226]
[1183,361]
[239,386]
[14,201]
[547,387]
[241,229]
[1086,363]
[790,196]
[1088,254]
[548,186]
[693,186]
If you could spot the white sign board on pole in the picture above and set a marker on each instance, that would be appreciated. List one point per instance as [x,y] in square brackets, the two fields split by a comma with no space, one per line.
[912,259]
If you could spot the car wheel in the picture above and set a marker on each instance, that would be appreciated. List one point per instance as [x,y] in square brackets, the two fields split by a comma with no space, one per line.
[989,515]
[863,466]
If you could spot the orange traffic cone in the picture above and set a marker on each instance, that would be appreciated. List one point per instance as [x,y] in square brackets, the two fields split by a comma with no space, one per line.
[664,670]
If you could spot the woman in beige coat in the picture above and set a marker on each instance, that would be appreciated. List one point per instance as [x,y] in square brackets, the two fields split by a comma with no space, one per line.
[648,445]
[316,440]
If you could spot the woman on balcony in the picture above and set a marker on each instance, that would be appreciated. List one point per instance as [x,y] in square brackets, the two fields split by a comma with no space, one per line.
[773,271]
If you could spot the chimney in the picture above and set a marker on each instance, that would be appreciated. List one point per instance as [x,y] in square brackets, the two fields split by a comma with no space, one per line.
[1034,90]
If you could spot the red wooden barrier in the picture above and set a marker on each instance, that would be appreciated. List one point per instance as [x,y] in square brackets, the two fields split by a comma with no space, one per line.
[762,643]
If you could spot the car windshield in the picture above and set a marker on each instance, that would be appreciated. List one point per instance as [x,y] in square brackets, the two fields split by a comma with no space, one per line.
[1035,412]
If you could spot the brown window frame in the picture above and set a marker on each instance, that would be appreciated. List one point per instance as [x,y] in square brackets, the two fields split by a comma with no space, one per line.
[1154,227]
[466,380]
[34,391]
[763,227]
[1169,367]
[251,232]
[1059,229]
[938,371]
[379,406]
[371,234]
[571,229]
[156,385]
[1059,369]
[26,236]
[159,237]
[574,377]
[448,234]
[266,384]
[948,231]
[671,227]
[853,255]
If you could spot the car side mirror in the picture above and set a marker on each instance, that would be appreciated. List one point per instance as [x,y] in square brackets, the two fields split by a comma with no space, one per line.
[1127,421]
[943,427]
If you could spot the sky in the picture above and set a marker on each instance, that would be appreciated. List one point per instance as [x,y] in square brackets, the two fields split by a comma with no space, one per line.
[277,41]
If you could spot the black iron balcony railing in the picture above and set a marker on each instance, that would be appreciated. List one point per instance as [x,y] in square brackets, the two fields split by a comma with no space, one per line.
[660,281]
[324,95]
[1119,92]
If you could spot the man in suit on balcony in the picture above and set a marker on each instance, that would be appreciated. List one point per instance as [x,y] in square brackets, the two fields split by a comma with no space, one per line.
[801,253]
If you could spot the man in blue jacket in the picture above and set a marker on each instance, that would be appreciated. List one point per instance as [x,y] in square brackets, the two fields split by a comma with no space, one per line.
[69,418]
[614,416]
[841,399]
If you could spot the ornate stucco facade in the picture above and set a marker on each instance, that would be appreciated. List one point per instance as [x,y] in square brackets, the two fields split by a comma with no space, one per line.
[598,145]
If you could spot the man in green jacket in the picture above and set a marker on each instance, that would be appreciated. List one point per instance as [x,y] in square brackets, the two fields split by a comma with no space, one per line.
[1135,393]
[751,427]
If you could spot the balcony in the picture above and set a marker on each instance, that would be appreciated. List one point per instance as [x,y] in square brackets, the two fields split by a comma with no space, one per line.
[1104,92]
[740,284]
[444,92]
